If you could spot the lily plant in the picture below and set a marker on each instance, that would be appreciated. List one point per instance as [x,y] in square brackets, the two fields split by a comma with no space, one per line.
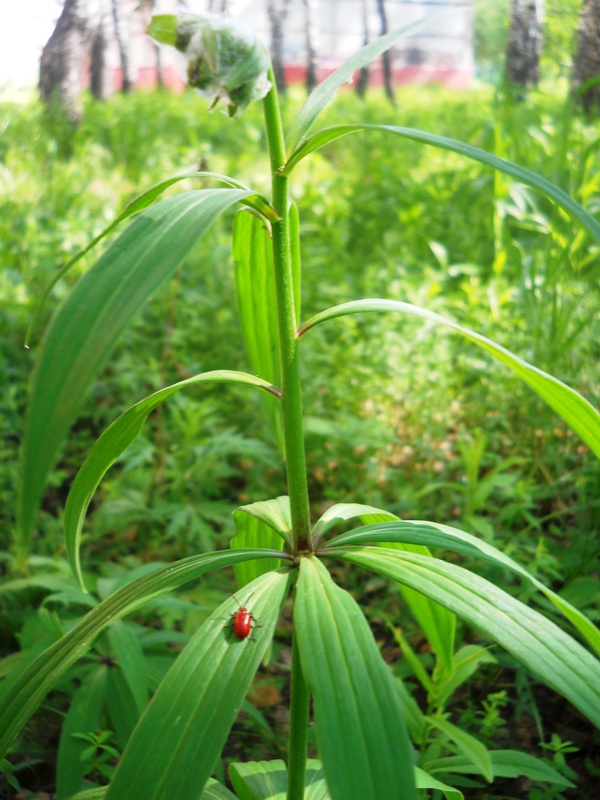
[372,738]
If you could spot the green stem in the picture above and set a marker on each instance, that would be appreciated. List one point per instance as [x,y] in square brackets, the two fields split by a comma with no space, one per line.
[291,400]
[298,739]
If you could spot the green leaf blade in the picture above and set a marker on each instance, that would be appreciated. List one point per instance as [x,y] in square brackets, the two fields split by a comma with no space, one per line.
[116,439]
[178,739]
[86,327]
[358,718]
[522,174]
[324,93]
[551,654]
[577,412]
[266,523]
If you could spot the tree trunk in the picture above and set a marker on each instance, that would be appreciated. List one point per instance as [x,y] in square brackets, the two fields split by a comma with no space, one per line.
[98,54]
[363,75]
[277,11]
[586,65]
[524,42]
[386,60]
[122,34]
[312,36]
[62,59]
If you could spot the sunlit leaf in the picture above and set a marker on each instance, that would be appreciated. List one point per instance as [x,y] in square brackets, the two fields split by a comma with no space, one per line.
[522,174]
[551,654]
[116,439]
[175,745]
[433,534]
[324,93]
[88,324]
[361,735]
[569,404]
[437,623]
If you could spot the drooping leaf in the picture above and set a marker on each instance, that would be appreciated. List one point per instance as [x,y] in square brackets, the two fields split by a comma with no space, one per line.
[175,745]
[254,274]
[433,534]
[136,205]
[522,174]
[266,523]
[88,324]
[551,654]
[21,697]
[569,404]
[83,717]
[115,440]
[324,93]
[438,624]
[506,764]
[361,735]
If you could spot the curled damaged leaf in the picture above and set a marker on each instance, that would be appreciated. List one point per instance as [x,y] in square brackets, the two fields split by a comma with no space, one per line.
[226,62]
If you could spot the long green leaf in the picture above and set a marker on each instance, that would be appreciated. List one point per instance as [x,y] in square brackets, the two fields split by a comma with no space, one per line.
[438,624]
[115,440]
[175,745]
[136,205]
[88,324]
[569,404]
[324,93]
[23,695]
[360,731]
[550,653]
[522,174]
[263,524]
[433,534]
[254,271]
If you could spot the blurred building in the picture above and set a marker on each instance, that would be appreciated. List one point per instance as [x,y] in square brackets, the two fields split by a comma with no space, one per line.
[439,52]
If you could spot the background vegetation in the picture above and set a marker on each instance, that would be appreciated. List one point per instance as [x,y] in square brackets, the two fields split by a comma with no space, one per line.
[423,431]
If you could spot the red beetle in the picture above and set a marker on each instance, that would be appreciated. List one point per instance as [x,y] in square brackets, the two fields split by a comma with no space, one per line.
[242,622]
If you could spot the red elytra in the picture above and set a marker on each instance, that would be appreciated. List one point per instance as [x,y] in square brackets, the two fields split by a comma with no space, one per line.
[242,623]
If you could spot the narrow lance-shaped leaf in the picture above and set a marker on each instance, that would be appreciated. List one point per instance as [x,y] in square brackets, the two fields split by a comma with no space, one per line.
[176,743]
[136,205]
[116,439]
[360,731]
[21,695]
[88,324]
[522,174]
[569,404]
[438,624]
[324,93]
[550,653]
[254,276]
[433,534]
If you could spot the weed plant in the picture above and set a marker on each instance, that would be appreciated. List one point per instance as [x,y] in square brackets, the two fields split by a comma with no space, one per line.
[421,226]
